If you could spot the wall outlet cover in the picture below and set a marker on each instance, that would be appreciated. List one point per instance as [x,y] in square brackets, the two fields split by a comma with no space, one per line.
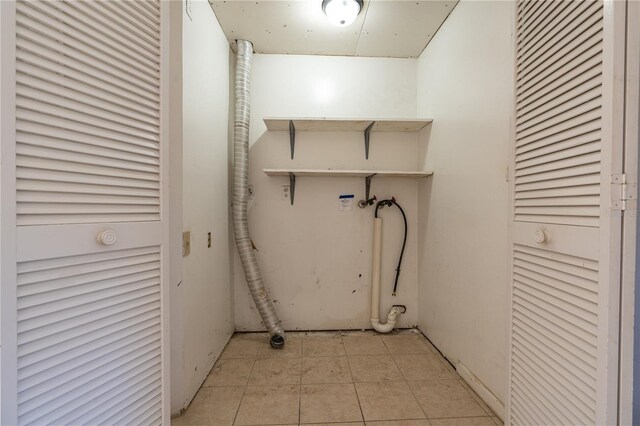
[285,193]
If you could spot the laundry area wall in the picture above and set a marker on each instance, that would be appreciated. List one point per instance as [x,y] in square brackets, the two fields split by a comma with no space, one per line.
[316,259]
[464,206]
[202,311]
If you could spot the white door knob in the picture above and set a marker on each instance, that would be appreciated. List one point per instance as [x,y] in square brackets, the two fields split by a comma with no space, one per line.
[540,236]
[107,237]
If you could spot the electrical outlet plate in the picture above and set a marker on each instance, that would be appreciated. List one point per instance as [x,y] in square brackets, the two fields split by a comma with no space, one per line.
[285,193]
[186,243]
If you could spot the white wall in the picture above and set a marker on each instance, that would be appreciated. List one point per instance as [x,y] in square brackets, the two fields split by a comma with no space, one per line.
[316,260]
[465,80]
[202,315]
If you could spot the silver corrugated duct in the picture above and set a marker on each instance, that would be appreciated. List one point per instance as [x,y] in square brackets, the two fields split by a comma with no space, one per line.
[241,195]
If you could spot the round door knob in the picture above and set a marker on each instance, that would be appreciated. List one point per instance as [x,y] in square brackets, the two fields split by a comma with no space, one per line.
[540,236]
[107,237]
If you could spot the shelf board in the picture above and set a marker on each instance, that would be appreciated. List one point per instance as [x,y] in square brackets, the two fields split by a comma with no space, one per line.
[347,173]
[321,124]
[368,175]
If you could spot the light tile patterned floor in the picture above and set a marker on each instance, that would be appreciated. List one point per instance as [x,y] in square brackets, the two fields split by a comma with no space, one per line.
[348,378]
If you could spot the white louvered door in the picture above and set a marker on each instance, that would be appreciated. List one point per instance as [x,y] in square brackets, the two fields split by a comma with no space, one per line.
[90,138]
[566,230]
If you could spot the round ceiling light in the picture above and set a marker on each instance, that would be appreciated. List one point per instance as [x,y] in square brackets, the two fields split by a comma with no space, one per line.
[342,13]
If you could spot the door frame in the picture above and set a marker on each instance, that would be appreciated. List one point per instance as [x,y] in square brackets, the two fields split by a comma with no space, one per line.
[8,267]
[630,281]
[611,231]
[166,130]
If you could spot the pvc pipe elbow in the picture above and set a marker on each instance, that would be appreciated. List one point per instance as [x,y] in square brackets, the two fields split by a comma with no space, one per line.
[394,313]
[383,328]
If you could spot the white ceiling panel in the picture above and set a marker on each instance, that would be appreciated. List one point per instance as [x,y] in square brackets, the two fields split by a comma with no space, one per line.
[384,28]
[401,28]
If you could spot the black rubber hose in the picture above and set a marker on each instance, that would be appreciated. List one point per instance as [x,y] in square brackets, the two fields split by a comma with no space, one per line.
[392,202]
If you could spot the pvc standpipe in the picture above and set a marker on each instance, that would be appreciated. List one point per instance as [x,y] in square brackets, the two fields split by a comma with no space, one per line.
[395,311]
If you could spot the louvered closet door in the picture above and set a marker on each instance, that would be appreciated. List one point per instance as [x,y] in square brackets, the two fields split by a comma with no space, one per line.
[561,337]
[89,194]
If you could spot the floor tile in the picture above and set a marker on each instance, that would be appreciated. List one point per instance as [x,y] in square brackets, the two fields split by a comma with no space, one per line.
[463,421]
[406,344]
[326,369]
[447,364]
[326,364]
[269,405]
[427,342]
[388,401]
[375,368]
[329,403]
[477,398]
[230,372]
[241,348]
[364,345]
[445,398]
[322,346]
[211,406]
[292,349]
[422,367]
[275,371]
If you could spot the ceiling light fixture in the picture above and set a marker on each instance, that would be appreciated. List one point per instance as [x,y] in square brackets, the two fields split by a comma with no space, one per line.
[342,13]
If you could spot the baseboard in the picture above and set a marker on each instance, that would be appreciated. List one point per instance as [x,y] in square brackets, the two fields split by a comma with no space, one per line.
[483,392]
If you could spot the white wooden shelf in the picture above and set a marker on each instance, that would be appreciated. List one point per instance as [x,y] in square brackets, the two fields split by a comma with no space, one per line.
[322,124]
[347,173]
[367,174]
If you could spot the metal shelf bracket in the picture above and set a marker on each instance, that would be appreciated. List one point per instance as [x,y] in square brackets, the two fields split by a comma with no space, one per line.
[367,137]
[367,185]
[292,186]
[292,137]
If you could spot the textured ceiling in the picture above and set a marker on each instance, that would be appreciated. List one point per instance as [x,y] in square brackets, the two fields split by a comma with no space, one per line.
[384,28]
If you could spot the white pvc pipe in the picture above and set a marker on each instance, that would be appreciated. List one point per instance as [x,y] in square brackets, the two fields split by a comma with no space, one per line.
[375,284]
[375,272]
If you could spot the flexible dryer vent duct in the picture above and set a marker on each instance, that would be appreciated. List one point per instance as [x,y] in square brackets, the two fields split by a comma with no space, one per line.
[241,195]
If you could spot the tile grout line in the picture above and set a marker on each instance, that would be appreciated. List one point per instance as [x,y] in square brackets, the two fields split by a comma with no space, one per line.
[444,361]
[244,391]
[406,382]
[353,381]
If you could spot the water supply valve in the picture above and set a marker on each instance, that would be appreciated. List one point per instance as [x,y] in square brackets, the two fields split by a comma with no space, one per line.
[364,203]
